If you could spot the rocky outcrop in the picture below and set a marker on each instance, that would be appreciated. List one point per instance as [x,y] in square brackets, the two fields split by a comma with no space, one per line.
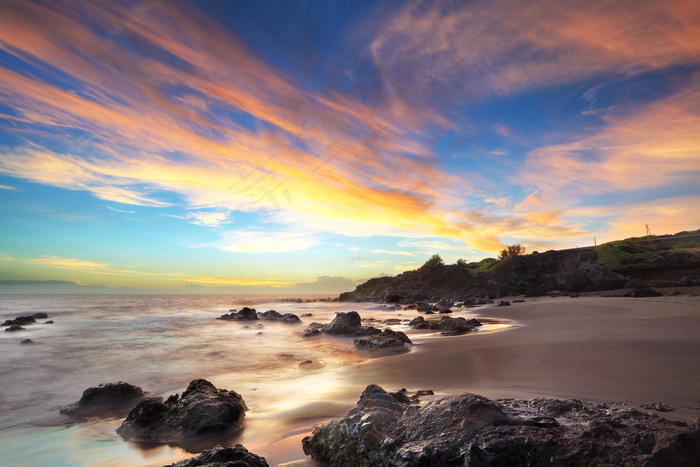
[469,429]
[249,314]
[203,410]
[19,321]
[447,324]
[387,339]
[108,400]
[344,324]
[229,456]
[14,327]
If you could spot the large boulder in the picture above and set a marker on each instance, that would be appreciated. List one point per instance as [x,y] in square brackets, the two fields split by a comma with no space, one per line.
[387,339]
[244,314]
[229,456]
[249,314]
[469,429]
[108,400]
[203,410]
[344,324]
[272,315]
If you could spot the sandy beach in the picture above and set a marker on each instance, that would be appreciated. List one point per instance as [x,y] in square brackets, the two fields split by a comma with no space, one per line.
[615,350]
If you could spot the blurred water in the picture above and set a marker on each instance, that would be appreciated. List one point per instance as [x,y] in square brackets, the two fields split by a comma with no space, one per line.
[161,343]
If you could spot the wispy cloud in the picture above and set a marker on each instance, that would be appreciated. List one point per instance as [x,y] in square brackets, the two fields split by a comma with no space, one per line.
[388,252]
[7,187]
[257,241]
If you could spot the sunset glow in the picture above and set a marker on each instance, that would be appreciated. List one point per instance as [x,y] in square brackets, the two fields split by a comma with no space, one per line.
[281,147]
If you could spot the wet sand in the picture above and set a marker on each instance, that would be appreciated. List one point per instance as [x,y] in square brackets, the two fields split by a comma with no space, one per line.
[615,350]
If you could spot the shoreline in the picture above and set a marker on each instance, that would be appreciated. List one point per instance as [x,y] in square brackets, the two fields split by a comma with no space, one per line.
[627,351]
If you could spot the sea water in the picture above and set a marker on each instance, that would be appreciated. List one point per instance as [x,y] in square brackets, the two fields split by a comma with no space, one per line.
[161,343]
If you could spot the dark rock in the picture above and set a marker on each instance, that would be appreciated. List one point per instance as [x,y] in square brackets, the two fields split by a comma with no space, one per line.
[203,410]
[108,400]
[503,303]
[425,392]
[344,324]
[229,456]
[245,314]
[311,365]
[14,327]
[387,339]
[27,341]
[448,324]
[49,322]
[272,315]
[19,321]
[658,406]
[40,315]
[646,292]
[468,429]
[520,300]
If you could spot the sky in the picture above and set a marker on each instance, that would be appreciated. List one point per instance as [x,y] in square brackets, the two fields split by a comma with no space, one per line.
[306,146]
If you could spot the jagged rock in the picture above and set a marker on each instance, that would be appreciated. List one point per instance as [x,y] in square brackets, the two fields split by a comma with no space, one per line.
[387,339]
[344,324]
[451,326]
[19,321]
[229,456]
[40,315]
[658,406]
[469,429]
[108,400]
[14,327]
[646,292]
[27,341]
[503,303]
[272,315]
[203,410]
[245,314]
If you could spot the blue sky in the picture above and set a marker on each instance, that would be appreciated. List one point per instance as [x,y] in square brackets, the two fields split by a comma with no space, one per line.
[282,147]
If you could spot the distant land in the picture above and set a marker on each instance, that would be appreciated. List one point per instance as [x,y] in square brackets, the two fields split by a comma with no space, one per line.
[639,264]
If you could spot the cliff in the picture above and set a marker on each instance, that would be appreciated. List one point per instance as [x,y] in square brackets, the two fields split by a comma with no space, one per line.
[634,263]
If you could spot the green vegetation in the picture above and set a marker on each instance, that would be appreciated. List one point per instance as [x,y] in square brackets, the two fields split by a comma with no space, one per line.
[433,262]
[686,245]
[511,250]
[482,266]
[614,255]
[461,262]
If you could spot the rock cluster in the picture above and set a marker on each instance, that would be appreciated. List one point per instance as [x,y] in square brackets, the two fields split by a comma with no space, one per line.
[447,324]
[109,399]
[344,324]
[469,429]
[229,456]
[249,314]
[203,410]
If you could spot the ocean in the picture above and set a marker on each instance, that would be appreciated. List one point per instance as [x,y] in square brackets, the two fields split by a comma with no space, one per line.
[161,343]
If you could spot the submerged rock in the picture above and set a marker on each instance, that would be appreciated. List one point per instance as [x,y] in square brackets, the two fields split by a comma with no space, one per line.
[387,339]
[40,315]
[249,314]
[468,429]
[108,400]
[344,324]
[27,341]
[14,327]
[203,410]
[450,326]
[19,321]
[229,456]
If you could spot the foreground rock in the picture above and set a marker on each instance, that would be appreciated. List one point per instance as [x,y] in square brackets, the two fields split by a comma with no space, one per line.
[108,400]
[344,324]
[387,339]
[449,326]
[203,410]
[229,456]
[249,314]
[469,429]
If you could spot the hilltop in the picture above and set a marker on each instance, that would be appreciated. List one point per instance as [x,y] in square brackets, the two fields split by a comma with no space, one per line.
[636,263]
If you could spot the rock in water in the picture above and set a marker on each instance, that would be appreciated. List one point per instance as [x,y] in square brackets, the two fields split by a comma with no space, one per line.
[230,456]
[203,410]
[469,429]
[344,324]
[108,400]
[387,339]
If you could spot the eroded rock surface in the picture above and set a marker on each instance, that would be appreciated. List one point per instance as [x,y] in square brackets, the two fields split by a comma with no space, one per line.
[249,314]
[229,456]
[447,324]
[203,410]
[468,429]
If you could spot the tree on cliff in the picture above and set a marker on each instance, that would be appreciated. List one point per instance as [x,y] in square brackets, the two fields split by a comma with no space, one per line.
[512,250]
[434,261]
